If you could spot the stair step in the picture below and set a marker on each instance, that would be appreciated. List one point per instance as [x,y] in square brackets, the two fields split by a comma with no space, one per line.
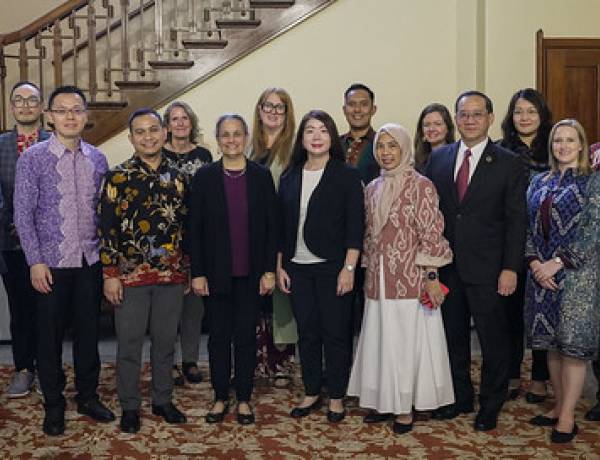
[200,43]
[139,84]
[107,105]
[271,3]
[171,64]
[237,23]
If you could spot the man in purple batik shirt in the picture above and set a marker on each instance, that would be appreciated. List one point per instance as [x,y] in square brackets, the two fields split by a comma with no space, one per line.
[57,186]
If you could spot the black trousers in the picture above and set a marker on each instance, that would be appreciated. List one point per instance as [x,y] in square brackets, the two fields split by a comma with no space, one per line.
[596,368]
[358,300]
[232,319]
[324,322]
[488,310]
[74,300]
[22,307]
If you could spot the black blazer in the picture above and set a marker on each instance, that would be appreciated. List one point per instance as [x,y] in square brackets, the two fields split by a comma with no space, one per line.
[208,226]
[486,230]
[335,218]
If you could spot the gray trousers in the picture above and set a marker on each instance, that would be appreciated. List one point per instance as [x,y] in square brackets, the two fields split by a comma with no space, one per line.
[190,328]
[156,308]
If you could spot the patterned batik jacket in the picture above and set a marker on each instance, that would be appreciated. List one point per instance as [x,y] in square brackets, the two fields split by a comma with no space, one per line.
[142,214]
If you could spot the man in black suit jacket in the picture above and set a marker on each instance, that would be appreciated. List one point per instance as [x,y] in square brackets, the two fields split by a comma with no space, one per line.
[486,230]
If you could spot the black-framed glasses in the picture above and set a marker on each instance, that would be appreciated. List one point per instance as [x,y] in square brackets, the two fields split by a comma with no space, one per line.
[31,101]
[269,107]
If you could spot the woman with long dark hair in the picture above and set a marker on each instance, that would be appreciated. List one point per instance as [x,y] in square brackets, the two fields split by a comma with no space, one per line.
[321,199]
[434,129]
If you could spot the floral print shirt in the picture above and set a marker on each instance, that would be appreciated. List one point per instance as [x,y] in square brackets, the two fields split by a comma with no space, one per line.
[141,223]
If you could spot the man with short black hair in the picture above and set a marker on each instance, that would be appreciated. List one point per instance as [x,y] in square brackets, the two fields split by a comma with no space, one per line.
[26,108]
[141,222]
[57,185]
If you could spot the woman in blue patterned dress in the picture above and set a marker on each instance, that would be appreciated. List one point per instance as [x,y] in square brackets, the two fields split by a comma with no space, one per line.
[555,201]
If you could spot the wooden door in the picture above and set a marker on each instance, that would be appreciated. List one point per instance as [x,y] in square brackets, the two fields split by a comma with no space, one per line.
[568,75]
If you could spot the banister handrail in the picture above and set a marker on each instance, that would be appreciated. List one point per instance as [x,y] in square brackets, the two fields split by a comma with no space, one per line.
[30,30]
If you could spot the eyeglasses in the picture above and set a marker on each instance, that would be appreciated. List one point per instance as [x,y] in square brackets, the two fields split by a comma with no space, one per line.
[31,101]
[268,107]
[476,116]
[76,112]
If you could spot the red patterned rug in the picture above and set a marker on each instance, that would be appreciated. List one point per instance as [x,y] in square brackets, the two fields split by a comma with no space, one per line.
[275,435]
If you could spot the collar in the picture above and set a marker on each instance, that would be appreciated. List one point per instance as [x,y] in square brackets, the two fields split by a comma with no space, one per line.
[369,135]
[476,151]
[139,163]
[57,148]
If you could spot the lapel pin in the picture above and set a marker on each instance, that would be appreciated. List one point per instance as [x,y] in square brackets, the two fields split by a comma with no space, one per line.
[488,158]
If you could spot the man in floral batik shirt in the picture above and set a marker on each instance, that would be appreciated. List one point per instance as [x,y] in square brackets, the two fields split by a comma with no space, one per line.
[141,222]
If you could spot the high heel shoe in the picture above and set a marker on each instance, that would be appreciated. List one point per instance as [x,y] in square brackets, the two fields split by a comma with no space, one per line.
[559,437]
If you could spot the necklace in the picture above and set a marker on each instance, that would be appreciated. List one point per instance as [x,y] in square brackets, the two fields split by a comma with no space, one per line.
[234,176]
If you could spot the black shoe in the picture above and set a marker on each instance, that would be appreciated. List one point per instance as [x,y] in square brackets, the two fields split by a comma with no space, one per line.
[335,417]
[304,411]
[217,417]
[244,419]
[178,379]
[450,411]
[191,377]
[130,421]
[54,421]
[533,398]
[401,428]
[593,415]
[376,417]
[169,412]
[485,422]
[559,437]
[96,410]
[542,420]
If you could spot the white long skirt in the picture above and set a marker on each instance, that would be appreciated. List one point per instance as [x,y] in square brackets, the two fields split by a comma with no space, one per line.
[401,359]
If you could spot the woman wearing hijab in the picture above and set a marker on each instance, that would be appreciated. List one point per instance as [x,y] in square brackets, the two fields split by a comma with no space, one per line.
[402,359]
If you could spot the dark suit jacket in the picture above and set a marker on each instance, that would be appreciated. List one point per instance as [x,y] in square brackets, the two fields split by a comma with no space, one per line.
[335,218]
[486,230]
[208,226]
[8,163]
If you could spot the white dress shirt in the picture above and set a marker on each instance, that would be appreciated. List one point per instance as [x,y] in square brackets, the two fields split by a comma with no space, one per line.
[476,152]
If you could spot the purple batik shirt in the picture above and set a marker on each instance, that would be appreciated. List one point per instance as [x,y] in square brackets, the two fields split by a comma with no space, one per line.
[55,201]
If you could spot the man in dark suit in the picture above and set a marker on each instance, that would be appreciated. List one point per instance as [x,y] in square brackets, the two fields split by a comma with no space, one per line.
[482,197]
[26,108]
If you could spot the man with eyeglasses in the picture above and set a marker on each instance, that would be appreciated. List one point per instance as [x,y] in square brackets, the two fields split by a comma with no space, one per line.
[57,187]
[26,108]
[482,197]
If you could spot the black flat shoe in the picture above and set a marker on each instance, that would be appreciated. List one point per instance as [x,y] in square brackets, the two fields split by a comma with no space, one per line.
[376,417]
[245,419]
[191,377]
[96,410]
[559,437]
[402,428]
[54,423]
[335,417]
[130,421]
[485,422]
[533,398]
[451,411]
[542,420]
[170,413]
[593,415]
[304,411]
[217,417]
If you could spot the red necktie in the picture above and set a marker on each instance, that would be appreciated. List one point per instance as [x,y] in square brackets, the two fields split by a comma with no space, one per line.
[462,178]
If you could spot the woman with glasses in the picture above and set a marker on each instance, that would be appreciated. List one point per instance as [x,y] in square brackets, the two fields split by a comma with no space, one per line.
[233,228]
[434,129]
[321,199]
[272,139]
[525,131]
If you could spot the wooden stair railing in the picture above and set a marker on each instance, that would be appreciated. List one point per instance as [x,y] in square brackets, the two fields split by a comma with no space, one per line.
[130,53]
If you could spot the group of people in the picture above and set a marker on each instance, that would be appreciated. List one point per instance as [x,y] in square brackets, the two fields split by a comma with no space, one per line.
[306,227]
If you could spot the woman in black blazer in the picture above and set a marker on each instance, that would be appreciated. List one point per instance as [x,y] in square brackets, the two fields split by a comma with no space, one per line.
[233,234]
[322,208]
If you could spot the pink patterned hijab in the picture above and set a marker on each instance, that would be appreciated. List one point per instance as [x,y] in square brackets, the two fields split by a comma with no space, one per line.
[390,183]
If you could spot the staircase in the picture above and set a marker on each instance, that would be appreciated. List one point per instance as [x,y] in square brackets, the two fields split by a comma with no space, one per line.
[130,53]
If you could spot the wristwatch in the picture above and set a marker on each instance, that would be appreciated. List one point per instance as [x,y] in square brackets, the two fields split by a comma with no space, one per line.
[349,267]
[432,276]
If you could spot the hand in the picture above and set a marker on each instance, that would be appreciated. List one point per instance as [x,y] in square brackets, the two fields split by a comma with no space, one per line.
[267,283]
[549,284]
[113,291]
[283,281]
[200,285]
[434,291]
[507,282]
[41,278]
[544,271]
[345,282]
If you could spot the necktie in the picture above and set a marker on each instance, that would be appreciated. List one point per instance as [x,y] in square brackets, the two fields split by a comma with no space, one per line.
[462,178]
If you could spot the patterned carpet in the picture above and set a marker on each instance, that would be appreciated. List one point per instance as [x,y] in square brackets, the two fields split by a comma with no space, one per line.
[275,435]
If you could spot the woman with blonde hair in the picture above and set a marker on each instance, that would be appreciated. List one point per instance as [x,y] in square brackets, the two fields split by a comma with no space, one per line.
[402,359]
